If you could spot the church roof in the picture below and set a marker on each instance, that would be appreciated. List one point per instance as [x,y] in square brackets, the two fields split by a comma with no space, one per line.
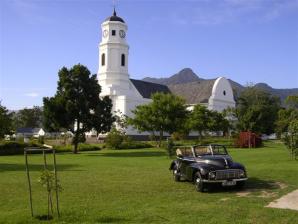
[194,92]
[115,18]
[146,89]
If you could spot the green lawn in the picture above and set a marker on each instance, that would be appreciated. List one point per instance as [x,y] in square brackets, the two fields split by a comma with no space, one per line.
[135,186]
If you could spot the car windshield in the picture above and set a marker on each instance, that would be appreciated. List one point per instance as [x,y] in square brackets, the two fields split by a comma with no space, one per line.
[210,150]
[202,150]
[219,150]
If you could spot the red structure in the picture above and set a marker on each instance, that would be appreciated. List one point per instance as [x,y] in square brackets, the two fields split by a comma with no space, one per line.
[248,140]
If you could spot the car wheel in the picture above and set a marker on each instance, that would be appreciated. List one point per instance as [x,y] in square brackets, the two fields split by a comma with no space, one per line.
[176,175]
[240,184]
[198,180]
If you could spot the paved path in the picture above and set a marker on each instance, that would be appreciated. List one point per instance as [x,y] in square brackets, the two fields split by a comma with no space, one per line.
[289,201]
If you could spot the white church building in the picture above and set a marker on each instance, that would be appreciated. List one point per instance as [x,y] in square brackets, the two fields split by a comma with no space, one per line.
[126,93]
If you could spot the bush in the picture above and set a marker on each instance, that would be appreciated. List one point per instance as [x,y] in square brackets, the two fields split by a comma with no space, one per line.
[134,145]
[82,147]
[14,148]
[114,139]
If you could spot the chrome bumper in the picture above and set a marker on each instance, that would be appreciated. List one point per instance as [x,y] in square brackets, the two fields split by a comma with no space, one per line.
[221,181]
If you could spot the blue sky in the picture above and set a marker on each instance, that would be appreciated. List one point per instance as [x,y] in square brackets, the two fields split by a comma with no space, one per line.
[244,40]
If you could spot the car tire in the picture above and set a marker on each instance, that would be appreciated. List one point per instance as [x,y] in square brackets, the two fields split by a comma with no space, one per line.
[176,175]
[198,181]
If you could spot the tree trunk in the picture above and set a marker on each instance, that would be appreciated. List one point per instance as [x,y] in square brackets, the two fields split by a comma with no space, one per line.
[75,147]
[160,138]
[76,138]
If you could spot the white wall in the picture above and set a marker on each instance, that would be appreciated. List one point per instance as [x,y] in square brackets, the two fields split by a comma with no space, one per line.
[222,95]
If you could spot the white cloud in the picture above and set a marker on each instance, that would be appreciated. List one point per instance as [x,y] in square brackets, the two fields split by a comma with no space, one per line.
[33,94]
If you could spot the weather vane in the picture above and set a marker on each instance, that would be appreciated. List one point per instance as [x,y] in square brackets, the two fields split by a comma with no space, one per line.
[114,4]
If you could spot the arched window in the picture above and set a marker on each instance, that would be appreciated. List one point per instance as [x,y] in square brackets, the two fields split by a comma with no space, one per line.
[224,92]
[103,59]
[123,60]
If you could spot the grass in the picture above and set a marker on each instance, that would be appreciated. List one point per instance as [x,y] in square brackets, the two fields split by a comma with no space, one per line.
[135,186]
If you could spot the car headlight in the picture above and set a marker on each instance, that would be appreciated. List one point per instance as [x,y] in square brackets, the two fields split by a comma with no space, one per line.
[211,175]
[242,173]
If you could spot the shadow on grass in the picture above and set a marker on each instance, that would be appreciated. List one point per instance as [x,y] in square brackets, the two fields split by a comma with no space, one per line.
[111,220]
[252,185]
[128,154]
[34,167]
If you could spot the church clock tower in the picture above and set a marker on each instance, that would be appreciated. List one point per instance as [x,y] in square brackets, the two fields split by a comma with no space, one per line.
[113,57]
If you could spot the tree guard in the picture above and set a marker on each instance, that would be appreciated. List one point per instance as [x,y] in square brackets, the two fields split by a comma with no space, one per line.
[44,151]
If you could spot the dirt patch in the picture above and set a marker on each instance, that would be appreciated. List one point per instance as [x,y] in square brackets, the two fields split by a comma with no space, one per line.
[289,201]
[244,193]
[281,185]
[262,193]
[224,199]
[266,194]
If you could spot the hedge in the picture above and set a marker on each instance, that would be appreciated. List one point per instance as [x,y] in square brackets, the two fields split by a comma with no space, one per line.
[17,148]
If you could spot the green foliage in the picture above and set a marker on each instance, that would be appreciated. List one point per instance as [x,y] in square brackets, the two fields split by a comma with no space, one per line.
[47,180]
[5,121]
[134,145]
[291,138]
[257,111]
[169,146]
[76,105]
[28,117]
[14,148]
[292,101]
[202,120]
[284,117]
[114,138]
[166,113]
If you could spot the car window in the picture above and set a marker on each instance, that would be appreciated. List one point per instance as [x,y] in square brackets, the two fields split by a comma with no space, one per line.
[184,151]
[219,150]
[202,150]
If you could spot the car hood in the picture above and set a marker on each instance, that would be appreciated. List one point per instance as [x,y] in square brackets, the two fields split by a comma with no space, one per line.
[218,161]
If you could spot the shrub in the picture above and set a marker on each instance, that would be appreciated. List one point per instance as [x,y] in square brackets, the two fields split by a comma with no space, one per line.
[14,148]
[134,145]
[114,139]
[82,147]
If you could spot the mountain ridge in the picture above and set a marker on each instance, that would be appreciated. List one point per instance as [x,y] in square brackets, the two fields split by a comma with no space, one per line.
[187,75]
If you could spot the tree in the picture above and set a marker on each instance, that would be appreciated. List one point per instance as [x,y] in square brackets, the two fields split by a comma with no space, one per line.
[292,101]
[166,113]
[284,118]
[257,110]
[5,121]
[199,119]
[77,106]
[291,138]
[28,117]
[218,122]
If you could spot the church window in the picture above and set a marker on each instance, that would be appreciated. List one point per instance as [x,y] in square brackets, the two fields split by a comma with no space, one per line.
[224,92]
[103,59]
[113,32]
[123,60]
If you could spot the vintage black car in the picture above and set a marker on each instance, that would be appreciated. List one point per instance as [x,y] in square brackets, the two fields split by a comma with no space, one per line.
[207,164]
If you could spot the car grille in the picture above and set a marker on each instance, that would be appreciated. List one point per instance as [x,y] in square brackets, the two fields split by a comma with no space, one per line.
[227,174]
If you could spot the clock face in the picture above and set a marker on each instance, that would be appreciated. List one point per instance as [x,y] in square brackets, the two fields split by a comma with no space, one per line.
[105,33]
[122,33]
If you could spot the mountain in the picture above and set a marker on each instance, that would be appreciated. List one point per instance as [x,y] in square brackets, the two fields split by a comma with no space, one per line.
[186,76]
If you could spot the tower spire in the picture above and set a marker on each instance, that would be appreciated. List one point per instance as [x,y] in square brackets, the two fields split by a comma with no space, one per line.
[114,13]
[114,6]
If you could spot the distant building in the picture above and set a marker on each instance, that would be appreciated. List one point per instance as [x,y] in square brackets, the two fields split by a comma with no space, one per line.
[29,132]
[127,93]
